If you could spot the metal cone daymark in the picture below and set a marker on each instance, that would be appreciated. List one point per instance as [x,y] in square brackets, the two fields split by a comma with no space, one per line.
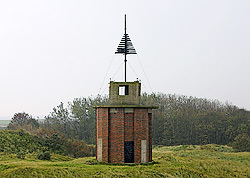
[123,46]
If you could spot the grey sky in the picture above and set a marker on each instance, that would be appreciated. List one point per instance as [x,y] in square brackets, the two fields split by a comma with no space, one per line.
[54,51]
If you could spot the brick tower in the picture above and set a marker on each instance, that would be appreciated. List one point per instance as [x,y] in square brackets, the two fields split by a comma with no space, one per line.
[124,127]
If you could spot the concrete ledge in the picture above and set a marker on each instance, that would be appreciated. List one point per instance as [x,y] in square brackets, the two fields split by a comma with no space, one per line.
[125,106]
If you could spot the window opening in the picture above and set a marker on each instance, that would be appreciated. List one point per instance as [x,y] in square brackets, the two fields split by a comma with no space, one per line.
[123,90]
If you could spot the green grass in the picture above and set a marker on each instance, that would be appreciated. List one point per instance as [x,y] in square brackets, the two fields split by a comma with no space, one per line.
[175,161]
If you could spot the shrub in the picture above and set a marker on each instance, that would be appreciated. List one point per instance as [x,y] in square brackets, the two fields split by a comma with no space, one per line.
[44,155]
[21,155]
[241,143]
[78,149]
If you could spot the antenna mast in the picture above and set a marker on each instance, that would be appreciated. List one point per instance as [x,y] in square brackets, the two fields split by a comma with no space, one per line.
[125,47]
[125,54]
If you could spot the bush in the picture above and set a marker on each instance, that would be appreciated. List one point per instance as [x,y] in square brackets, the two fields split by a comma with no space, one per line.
[21,155]
[241,143]
[44,155]
[78,149]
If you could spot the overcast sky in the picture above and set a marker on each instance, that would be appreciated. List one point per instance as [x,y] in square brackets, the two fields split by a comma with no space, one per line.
[53,51]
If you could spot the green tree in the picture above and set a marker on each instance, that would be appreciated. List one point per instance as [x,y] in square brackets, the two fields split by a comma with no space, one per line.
[23,121]
[178,119]
[84,115]
[242,143]
[59,120]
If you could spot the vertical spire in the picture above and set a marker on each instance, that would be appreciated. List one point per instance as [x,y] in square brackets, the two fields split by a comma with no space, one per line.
[125,54]
[125,47]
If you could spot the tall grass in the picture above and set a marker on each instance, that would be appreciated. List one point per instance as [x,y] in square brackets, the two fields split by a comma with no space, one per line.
[174,161]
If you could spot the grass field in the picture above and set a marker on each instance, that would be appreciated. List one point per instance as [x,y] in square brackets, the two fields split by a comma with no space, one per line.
[175,161]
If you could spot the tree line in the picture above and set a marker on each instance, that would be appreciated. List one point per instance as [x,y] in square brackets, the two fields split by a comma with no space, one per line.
[182,120]
[179,120]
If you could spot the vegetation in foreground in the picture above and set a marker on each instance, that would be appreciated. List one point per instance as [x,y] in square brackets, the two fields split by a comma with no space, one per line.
[179,120]
[172,161]
[42,143]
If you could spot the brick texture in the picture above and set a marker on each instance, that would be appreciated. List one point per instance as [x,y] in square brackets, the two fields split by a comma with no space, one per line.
[102,131]
[140,131]
[116,135]
[115,127]
[150,136]
[129,127]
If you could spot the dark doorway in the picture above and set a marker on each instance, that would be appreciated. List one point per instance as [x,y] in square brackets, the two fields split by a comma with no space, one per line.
[129,152]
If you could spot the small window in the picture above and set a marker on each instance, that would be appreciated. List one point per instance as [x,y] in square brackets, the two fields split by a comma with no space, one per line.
[123,90]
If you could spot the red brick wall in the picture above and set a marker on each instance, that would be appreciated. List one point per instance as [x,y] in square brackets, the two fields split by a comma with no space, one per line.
[150,136]
[129,127]
[116,136]
[115,128]
[105,135]
[102,131]
[140,131]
